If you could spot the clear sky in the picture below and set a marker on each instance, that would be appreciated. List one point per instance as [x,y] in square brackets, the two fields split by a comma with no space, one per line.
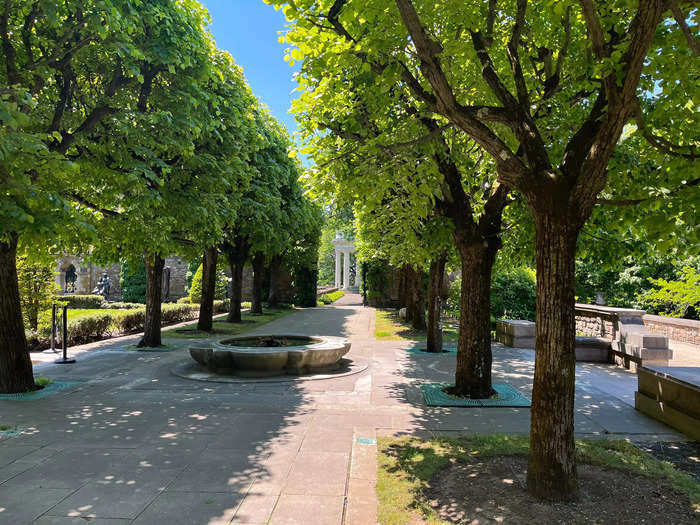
[248,29]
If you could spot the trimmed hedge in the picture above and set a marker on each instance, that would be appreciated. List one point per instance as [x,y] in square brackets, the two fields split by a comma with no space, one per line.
[120,322]
[328,298]
[120,305]
[81,301]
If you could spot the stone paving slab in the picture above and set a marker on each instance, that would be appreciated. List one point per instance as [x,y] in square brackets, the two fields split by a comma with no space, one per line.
[135,444]
[191,508]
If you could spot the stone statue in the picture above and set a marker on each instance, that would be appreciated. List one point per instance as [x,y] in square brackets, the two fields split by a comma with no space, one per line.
[103,286]
[71,277]
[165,290]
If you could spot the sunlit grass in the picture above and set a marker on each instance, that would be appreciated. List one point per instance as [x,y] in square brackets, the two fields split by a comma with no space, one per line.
[389,327]
[406,466]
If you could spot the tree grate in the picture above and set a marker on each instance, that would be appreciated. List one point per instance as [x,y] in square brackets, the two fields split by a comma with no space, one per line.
[52,388]
[419,349]
[506,396]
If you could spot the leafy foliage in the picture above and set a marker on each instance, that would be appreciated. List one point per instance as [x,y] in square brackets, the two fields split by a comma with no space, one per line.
[196,288]
[329,298]
[37,288]
[513,294]
[679,298]
[81,301]
[133,282]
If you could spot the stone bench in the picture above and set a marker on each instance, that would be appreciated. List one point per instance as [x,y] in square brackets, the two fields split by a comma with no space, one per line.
[516,333]
[593,349]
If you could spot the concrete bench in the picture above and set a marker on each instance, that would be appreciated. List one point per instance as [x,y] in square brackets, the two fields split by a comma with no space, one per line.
[516,333]
[593,349]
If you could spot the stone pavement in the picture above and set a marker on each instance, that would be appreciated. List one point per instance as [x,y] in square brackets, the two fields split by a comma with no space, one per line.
[133,444]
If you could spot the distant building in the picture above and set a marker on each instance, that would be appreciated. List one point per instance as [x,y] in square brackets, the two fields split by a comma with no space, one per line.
[75,276]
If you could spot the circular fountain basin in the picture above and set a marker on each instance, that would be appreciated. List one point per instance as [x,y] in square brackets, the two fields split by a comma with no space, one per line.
[270,355]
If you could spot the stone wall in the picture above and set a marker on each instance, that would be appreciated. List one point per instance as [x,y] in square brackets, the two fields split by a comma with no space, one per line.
[680,330]
[178,276]
[87,275]
[593,324]
[631,342]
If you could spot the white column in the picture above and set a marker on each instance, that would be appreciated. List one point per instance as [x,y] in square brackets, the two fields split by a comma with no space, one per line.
[346,270]
[337,268]
[358,274]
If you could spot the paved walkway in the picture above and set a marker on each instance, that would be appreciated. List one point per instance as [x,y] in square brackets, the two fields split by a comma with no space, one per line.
[134,444]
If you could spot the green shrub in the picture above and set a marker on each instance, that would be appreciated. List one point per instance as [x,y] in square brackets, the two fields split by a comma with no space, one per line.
[177,313]
[305,280]
[81,302]
[454,298]
[221,306]
[376,282]
[679,298]
[128,321]
[513,294]
[196,288]
[37,287]
[184,300]
[87,329]
[120,306]
[37,341]
[328,298]
[133,283]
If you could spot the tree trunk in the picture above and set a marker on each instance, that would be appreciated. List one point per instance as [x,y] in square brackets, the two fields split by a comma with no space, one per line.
[402,286]
[418,300]
[273,298]
[206,306]
[16,374]
[473,374]
[154,289]
[258,282]
[437,273]
[551,473]
[234,312]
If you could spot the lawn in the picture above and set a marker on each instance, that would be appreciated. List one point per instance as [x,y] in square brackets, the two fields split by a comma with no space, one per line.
[412,472]
[222,327]
[389,327]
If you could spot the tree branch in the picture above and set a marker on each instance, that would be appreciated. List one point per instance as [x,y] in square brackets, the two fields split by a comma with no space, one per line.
[10,52]
[634,202]
[661,143]
[514,58]
[594,29]
[680,20]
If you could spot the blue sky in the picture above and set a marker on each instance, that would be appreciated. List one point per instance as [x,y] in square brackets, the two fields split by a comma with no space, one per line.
[248,29]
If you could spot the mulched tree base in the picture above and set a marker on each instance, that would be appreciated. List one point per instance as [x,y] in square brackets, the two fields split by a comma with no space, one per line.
[494,491]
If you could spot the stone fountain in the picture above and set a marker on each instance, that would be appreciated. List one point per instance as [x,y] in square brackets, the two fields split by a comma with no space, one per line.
[271,355]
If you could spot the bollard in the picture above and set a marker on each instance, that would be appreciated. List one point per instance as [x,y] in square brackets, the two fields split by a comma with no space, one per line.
[64,340]
[52,349]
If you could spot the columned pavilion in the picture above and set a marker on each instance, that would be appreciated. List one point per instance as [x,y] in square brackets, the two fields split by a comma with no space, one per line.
[343,249]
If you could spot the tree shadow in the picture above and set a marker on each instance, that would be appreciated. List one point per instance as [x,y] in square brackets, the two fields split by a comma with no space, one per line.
[134,441]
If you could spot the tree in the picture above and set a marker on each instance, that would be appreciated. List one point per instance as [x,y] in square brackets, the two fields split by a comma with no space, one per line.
[67,66]
[202,162]
[37,285]
[271,215]
[545,89]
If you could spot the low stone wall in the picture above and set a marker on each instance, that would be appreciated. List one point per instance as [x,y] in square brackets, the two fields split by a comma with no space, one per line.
[631,343]
[680,330]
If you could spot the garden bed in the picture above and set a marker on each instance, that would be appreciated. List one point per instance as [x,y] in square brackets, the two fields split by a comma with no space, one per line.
[483,480]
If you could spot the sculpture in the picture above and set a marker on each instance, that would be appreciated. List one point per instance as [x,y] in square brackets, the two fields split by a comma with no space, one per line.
[103,286]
